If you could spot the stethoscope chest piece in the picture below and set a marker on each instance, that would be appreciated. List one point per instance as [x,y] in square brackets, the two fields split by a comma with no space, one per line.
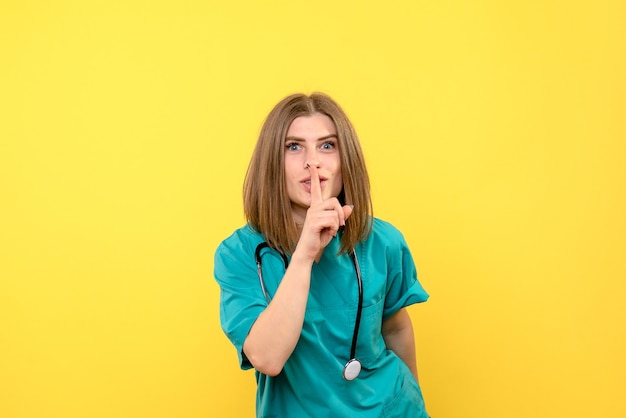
[352,369]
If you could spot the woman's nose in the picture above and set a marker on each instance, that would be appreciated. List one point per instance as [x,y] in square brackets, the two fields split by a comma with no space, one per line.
[311,159]
[312,162]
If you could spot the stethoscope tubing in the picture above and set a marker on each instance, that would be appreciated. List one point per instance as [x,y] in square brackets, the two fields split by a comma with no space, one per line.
[357,321]
[257,258]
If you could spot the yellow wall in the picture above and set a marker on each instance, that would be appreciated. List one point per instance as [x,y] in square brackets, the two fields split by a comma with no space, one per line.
[495,136]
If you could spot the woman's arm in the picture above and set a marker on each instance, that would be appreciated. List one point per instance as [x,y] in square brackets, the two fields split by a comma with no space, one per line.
[276,331]
[397,332]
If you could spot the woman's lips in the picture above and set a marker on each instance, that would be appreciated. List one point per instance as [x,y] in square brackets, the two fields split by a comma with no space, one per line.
[307,183]
[308,180]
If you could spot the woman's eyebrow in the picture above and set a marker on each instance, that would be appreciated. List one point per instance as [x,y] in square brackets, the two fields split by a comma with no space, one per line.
[296,139]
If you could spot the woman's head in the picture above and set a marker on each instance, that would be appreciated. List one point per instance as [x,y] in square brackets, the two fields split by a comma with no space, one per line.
[267,203]
[311,142]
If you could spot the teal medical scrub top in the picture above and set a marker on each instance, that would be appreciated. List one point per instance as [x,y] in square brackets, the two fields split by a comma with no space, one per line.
[311,383]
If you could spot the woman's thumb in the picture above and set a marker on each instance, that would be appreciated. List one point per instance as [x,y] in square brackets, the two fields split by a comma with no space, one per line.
[347,211]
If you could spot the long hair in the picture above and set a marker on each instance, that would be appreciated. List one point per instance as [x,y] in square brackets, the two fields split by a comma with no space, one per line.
[265,200]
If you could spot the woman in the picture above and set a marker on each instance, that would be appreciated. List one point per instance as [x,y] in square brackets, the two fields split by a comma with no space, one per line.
[313,288]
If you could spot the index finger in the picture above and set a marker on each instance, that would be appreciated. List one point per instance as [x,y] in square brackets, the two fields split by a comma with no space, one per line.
[316,186]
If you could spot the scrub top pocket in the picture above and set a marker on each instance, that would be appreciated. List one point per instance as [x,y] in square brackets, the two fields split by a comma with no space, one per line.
[408,402]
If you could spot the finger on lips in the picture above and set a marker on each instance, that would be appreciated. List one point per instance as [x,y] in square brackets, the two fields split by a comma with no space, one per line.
[316,186]
[316,194]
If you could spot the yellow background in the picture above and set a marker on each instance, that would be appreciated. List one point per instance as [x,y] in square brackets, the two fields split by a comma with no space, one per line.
[495,136]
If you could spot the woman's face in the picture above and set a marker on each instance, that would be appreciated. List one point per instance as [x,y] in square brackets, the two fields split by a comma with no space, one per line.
[311,140]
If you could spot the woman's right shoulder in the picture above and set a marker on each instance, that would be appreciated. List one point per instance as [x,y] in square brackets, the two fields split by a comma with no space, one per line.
[241,240]
[234,263]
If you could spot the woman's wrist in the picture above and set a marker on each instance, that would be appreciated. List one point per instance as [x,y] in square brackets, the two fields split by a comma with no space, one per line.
[302,258]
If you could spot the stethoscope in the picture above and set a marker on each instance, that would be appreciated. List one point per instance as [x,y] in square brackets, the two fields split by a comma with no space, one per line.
[353,367]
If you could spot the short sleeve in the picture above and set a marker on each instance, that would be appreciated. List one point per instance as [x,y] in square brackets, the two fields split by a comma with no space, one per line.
[241,300]
[403,286]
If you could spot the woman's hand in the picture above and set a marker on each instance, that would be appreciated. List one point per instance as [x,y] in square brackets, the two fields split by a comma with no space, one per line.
[275,333]
[323,220]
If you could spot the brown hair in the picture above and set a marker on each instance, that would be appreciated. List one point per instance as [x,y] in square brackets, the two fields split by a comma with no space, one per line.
[266,204]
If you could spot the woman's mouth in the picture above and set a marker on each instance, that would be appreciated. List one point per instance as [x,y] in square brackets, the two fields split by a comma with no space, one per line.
[307,183]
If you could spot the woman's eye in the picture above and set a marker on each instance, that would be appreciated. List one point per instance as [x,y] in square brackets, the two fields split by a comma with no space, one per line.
[293,146]
[328,145]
